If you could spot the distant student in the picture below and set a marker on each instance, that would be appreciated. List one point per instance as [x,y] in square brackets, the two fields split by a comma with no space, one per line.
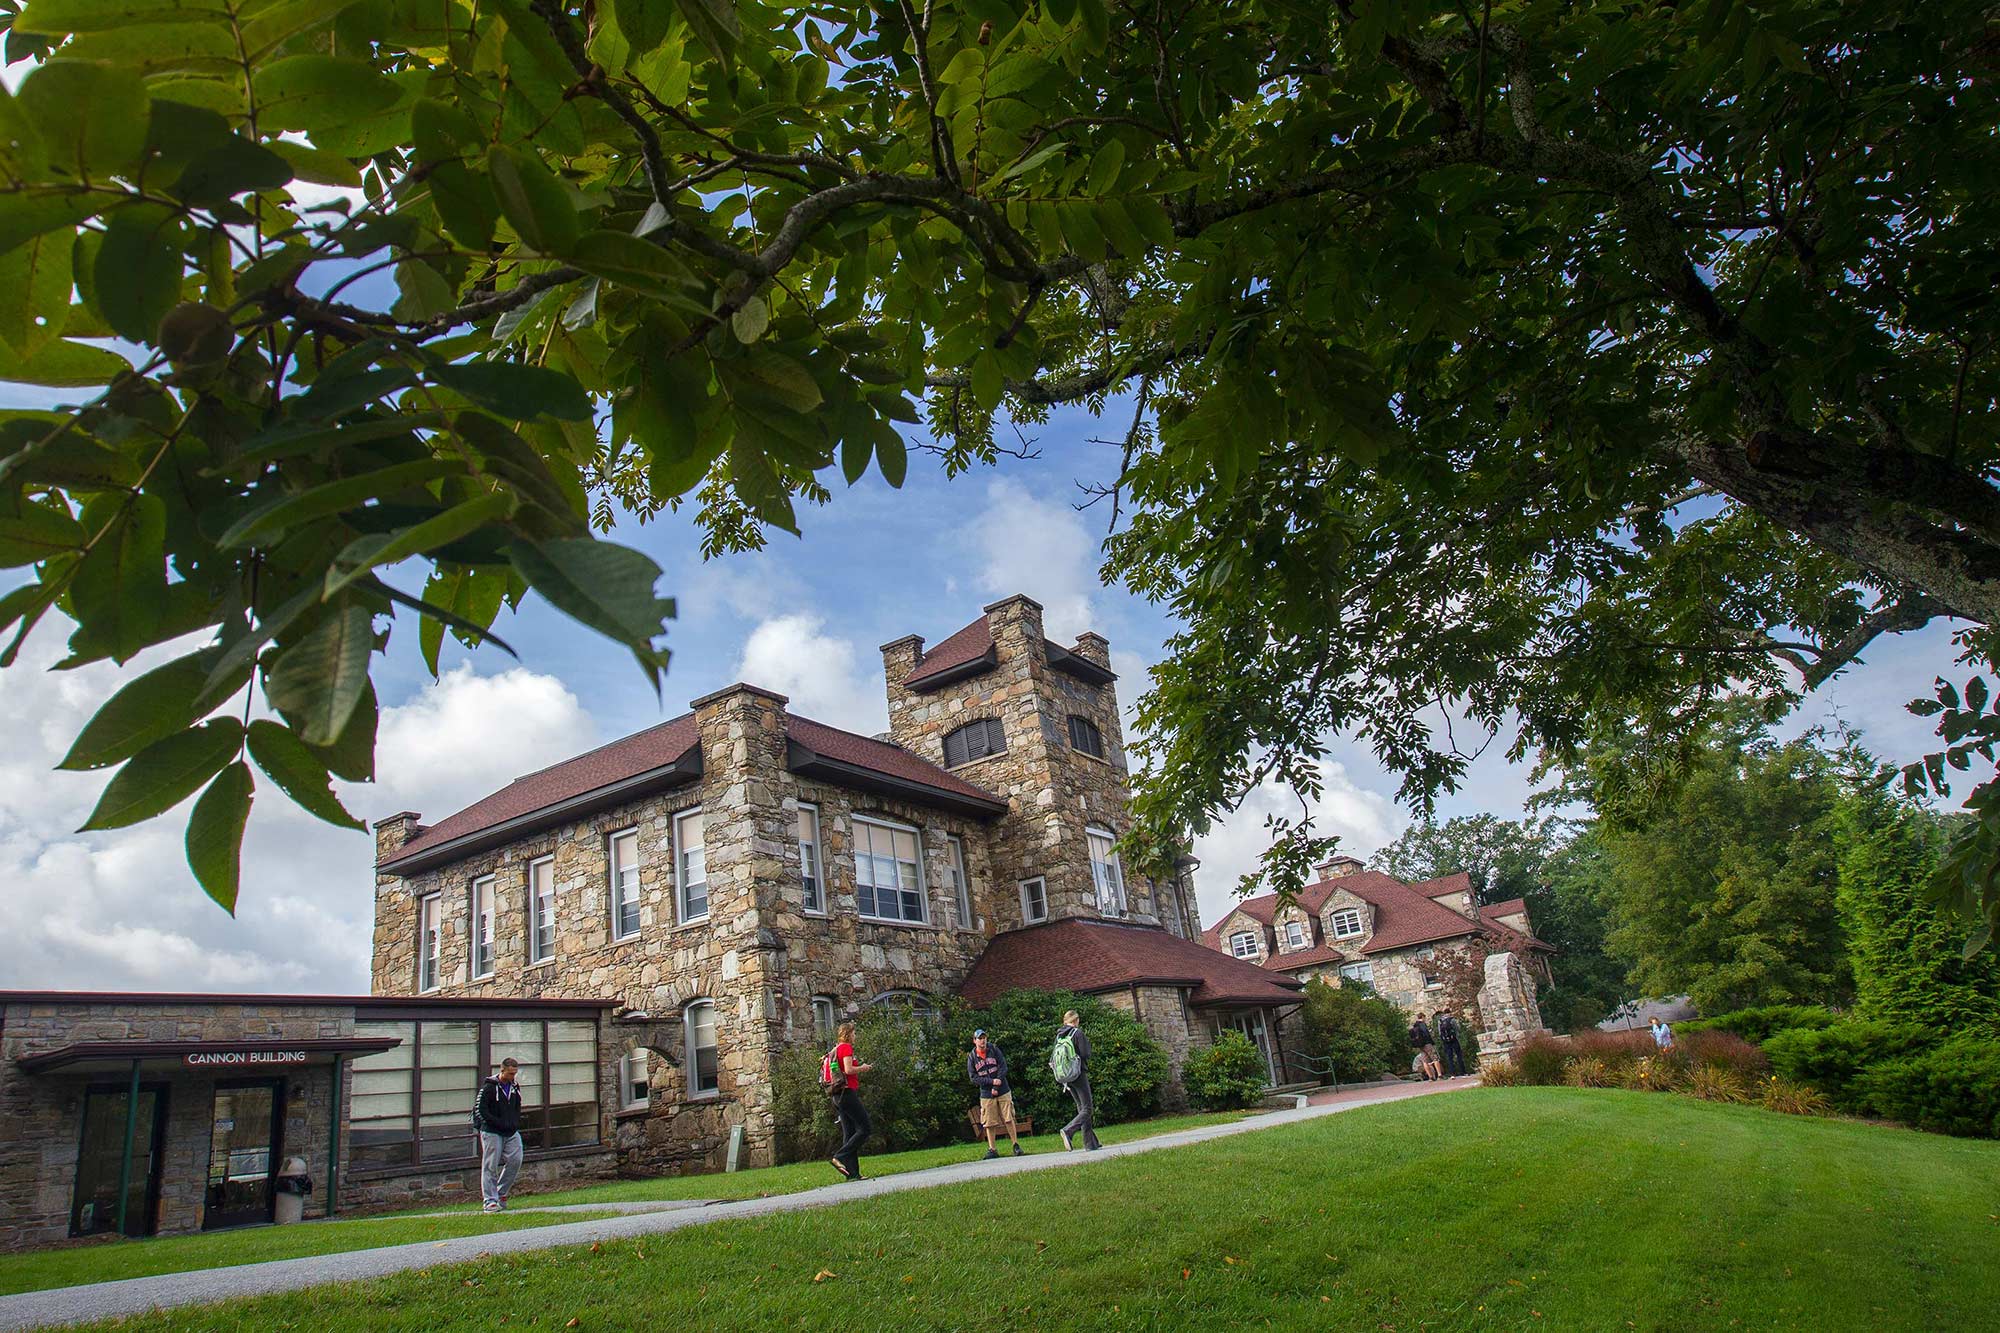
[847,1108]
[1448,1047]
[1663,1036]
[496,1114]
[1069,1061]
[987,1068]
[1426,1049]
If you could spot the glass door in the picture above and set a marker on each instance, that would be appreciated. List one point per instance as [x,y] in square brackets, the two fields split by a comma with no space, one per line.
[101,1159]
[243,1153]
[1252,1025]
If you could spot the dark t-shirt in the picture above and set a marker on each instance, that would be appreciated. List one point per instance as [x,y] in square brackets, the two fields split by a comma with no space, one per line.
[1420,1035]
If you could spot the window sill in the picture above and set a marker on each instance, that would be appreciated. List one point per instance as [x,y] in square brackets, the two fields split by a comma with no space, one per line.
[633,938]
[639,1112]
[535,967]
[891,921]
[692,923]
[973,763]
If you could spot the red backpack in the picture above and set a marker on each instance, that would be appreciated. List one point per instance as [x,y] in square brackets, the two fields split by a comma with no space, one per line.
[832,1079]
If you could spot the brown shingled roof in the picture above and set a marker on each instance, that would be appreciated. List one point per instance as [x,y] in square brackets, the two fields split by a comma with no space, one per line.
[972,642]
[1405,914]
[1319,953]
[878,756]
[1084,955]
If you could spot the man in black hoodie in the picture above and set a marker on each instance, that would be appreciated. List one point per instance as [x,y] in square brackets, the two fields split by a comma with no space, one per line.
[987,1069]
[497,1117]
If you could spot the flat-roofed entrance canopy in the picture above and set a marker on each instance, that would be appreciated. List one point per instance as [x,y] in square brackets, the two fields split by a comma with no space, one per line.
[97,1057]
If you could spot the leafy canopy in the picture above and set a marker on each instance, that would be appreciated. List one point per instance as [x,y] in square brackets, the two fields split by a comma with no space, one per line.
[1582,362]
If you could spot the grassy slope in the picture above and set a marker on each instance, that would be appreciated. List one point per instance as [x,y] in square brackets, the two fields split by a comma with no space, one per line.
[790,1179]
[107,1261]
[1539,1208]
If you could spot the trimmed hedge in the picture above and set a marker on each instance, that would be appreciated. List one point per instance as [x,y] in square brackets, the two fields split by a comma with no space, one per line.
[1833,1058]
[1951,1089]
[1758,1024]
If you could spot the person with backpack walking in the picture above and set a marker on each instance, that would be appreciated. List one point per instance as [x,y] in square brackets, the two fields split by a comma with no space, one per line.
[1069,1061]
[1447,1035]
[987,1068]
[1427,1056]
[842,1075]
[496,1115]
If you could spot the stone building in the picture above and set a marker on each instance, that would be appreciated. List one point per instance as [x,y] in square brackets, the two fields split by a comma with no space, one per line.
[1362,925]
[741,878]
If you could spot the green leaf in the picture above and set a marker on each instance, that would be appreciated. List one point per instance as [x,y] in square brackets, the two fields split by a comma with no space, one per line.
[59,17]
[36,533]
[138,272]
[988,384]
[165,773]
[465,601]
[273,518]
[36,277]
[1080,229]
[465,204]
[1062,11]
[517,392]
[1030,162]
[91,118]
[376,550]
[62,364]
[22,154]
[121,586]
[444,132]
[855,448]
[298,772]
[638,264]
[316,164]
[311,92]
[215,834]
[505,455]
[156,704]
[775,377]
[352,757]
[714,25]
[534,200]
[1096,24]
[644,23]
[316,682]
[749,323]
[891,454]
[27,215]
[234,166]
[602,585]
[1104,168]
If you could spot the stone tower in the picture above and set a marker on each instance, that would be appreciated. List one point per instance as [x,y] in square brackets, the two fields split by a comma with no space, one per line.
[1061,768]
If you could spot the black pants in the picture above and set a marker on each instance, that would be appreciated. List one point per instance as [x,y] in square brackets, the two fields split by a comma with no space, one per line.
[1454,1057]
[1086,1109]
[855,1126]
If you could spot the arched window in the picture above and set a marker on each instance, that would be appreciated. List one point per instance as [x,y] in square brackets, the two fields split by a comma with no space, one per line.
[1243,944]
[1106,871]
[913,1003]
[1084,737]
[974,740]
[704,1080]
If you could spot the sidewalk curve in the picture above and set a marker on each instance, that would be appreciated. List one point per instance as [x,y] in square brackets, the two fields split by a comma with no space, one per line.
[110,1300]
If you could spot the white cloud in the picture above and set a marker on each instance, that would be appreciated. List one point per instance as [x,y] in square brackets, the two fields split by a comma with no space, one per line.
[1024,544]
[468,734]
[819,673]
[1362,819]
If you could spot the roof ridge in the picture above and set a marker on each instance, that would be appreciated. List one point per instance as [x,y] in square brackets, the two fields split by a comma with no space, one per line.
[595,749]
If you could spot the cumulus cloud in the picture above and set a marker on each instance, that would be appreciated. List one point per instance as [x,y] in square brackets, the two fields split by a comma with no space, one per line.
[118,910]
[1025,544]
[819,672]
[1361,818]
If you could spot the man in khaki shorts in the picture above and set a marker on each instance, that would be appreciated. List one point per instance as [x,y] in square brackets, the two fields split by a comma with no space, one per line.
[987,1069]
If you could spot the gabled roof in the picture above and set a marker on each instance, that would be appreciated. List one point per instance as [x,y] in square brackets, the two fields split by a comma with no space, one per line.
[965,653]
[1086,955]
[1512,907]
[1319,953]
[666,756]
[1405,914]
[1458,881]
[1513,939]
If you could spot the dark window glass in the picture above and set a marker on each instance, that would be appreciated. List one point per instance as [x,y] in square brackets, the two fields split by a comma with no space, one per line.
[1085,737]
[974,740]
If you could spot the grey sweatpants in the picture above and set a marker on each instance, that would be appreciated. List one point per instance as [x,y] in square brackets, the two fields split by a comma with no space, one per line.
[1084,1125]
[499,1163]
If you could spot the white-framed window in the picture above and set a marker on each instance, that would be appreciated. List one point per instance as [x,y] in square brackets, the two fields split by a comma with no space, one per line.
[1347,923]
[961,884]
[1243,944]
[541,909]
[888,871]
[810,869]
[1432,981]
[826,1016]
[1295,934]
[691,866]
[430,940]
[703,1077]
[622,853]
[1363,972]
[1106,871]
[482,927]
[1034,899]
[634,1086]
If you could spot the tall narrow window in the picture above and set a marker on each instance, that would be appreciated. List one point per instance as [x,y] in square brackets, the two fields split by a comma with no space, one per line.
[824,1017]
[482,927]
[703,1078]
[1084,737]
[888,872]
[1295,935]
[634,1085]
[1034,899]
[1107,871]
[625,884]
[430,944]
[809,863]
[974,740]
[542,909]
[692,876]
[961,886]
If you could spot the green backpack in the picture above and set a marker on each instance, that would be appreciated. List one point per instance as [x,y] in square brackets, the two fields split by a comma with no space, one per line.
[1064,1062]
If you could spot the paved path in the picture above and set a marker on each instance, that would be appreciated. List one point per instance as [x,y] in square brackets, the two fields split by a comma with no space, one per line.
[107,1300]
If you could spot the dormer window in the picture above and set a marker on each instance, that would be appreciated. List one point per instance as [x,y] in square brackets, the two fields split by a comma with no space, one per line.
[1085,738]
[1243,944]
[1295,934]
[1347,923]
[974,740]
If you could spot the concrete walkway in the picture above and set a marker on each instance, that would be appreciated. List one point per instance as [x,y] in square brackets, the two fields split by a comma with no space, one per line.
[108,1300]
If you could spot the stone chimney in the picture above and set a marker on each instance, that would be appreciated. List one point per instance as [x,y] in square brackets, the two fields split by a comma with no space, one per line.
[1014,620]
[393,832]
[899,659]
[1338,866]
[1093,647]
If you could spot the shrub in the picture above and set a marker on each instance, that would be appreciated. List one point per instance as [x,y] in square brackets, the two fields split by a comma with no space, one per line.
[1127,1067]
[1951,1089]
[1724,1050]
[1500,1074]
[1618,1050]
[1717,1083]
[1587,1071]
[1363,1034]
[1788,1098]
[1539,1060]
[1757,1024]
[1225,1076]
[1655,1073]
[1833,1057]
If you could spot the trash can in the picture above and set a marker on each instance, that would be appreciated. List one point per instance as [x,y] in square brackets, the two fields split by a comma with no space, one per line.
[293,1185]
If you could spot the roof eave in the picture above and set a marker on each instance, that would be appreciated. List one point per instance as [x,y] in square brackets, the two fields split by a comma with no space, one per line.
[683,770]
[937,680]
[803,759]
[1062,659]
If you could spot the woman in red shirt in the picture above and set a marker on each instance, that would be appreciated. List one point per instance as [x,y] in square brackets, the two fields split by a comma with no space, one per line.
[854,1122]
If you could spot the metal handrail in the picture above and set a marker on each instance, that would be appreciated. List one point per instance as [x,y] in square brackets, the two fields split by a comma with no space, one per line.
[1319,1066]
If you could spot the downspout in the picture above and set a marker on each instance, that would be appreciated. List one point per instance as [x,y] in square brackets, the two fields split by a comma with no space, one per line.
[333,1143]
[131,1133]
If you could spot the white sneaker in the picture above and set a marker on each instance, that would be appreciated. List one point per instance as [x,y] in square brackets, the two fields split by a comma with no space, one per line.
[492,1205]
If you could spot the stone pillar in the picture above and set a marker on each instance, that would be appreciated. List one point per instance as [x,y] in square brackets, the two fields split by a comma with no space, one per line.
[1508,1012]
[393,962]
[899,659]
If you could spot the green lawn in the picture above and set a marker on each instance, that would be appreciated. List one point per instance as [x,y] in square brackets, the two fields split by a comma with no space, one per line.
[1525,1208]
[767,1181]
[107,1261]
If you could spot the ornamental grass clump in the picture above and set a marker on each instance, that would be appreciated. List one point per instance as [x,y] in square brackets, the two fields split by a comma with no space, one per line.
[1717,1083]
[1787,1098]
[1654,1073]
[1500,1074]
[1587,1071]
[1539,1061]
